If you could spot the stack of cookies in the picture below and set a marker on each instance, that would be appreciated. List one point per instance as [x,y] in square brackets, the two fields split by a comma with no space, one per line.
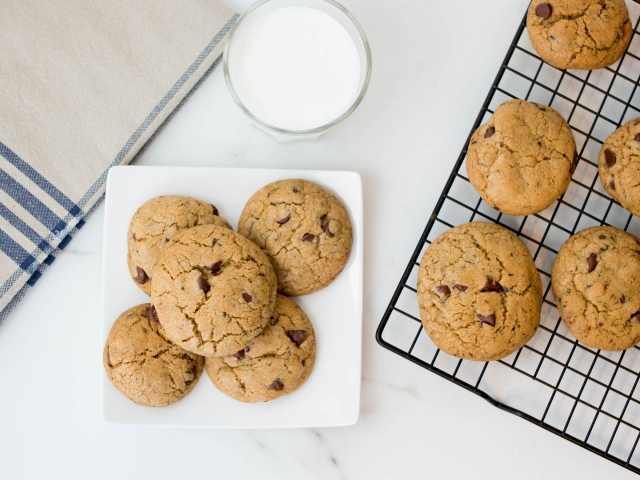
[214,294]
[478,288]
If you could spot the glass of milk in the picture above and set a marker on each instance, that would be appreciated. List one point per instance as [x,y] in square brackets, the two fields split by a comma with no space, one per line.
[297,68]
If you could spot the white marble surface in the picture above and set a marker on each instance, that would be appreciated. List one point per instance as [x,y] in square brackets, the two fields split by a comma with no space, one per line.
[433,64]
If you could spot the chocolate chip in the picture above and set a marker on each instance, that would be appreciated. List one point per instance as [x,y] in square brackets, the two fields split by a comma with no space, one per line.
[215,210]
[144,330]
[602,237]
[153,315]
[488,319]
[284,220]
[307,237]
[239,354]
[109,359]
[444,289]
[327,231]
[462,288]
[637,139]
[505,289]
[635,315]
[247,297]
[612,185]
[543,11]
[623,298]
[601,324]
[574,163]
[215,268]
[295,190]
[134,237]
[277,385]
[141,277]
[203,284]
[609,158]
[297,336]
[592,261]
[491,286]
[192,372]
[489,133]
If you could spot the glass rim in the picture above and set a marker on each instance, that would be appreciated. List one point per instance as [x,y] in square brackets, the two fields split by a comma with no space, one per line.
[284,131]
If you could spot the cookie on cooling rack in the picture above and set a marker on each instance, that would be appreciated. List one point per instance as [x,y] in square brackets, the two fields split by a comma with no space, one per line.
[155,223]
[579,34]
[619,165]
[522,159]
[479,292]
[596,284]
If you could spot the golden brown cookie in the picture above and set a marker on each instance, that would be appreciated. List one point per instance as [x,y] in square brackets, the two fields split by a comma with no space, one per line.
[579,34]
[213,290]
[304,229]
[479,292]
[274,364]
[619,165]
[596,283]
[144,364]
[153,225]
[522,159]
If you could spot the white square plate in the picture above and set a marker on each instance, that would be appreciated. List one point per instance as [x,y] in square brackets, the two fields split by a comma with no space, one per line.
[331,396]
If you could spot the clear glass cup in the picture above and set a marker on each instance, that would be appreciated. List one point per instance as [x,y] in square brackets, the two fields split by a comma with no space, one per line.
[336,11]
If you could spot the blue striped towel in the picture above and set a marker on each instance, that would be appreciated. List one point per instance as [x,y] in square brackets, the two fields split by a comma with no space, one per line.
[84,86]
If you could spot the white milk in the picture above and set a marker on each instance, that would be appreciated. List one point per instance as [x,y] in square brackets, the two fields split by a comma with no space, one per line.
[295,68]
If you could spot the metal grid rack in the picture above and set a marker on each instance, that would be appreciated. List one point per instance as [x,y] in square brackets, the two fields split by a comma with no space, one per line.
[589,397]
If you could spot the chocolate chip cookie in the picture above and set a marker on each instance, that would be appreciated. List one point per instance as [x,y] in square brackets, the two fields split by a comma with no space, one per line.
[522,160]
[579,34]
[479,292]
[596,284]
[274,363]
[304,229]
[144,364]
[213,290]
[153,225]
[619,165]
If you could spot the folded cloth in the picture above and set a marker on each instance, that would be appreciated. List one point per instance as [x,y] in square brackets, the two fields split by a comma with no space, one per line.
[83,86]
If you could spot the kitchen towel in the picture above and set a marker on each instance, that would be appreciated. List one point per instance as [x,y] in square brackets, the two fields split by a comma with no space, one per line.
[83,86]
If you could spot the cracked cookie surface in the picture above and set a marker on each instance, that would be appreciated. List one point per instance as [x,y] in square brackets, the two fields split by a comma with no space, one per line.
[155,223]
[596,284]
[579,34]
[619,165]
[304,229]
[145,365]
[479,292]
[213,290]
[522,159]
[274,363]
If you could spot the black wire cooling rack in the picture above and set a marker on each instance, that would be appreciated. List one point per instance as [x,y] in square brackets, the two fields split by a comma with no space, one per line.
[584,395]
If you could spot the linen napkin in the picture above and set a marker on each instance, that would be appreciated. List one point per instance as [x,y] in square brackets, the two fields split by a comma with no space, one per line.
[83,86]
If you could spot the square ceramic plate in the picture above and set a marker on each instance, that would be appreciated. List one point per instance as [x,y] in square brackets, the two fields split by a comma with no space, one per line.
[331,396]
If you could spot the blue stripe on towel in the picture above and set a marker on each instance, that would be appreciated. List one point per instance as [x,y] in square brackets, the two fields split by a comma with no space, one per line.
[15,252]
[31,204]
[34,278]
[25,229]
[39,180]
